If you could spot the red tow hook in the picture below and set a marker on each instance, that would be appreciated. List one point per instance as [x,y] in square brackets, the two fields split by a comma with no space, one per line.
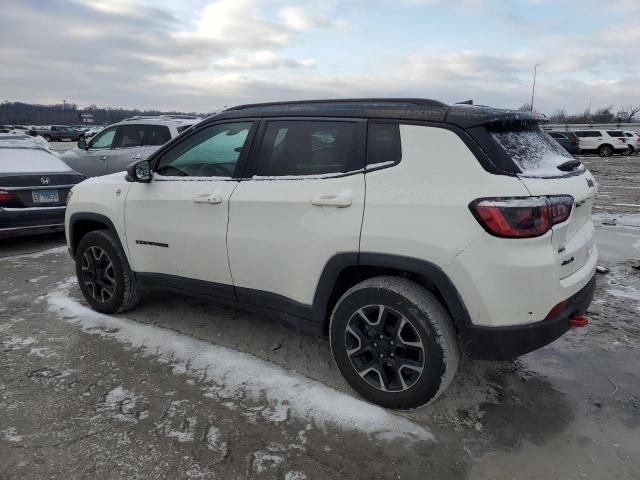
[578,321]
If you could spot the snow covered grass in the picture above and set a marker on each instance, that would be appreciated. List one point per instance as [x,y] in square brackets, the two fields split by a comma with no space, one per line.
[236,373]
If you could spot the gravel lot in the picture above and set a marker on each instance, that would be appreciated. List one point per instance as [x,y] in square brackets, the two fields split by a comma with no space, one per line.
[185,388]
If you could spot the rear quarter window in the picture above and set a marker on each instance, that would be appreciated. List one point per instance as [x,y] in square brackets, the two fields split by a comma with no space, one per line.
[532,150]
[615,133]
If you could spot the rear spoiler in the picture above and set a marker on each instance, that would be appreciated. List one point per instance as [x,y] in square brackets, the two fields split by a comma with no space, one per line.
[469,116]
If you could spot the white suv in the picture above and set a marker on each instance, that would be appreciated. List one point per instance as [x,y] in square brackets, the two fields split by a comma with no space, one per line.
[604,142]
[407,231]
[117,145]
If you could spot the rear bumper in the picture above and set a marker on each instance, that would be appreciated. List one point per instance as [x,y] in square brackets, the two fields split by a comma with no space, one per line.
[503,343]
[28,221]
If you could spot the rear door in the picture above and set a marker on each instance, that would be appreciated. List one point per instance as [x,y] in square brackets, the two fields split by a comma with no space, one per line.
[538,157]
[301,204]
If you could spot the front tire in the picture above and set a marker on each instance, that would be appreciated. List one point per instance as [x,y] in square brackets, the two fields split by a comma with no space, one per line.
[103,272]
[394,342]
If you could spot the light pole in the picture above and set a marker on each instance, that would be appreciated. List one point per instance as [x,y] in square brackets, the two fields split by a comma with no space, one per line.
[533,90]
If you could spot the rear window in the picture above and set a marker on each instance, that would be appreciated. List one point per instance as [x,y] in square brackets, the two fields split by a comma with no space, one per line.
[590,133]
[534,152]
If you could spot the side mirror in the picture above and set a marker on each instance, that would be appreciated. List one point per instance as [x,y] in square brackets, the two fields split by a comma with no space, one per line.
[83,144]
[139,171]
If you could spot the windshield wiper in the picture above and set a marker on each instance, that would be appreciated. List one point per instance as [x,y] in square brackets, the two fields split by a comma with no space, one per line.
[569,165]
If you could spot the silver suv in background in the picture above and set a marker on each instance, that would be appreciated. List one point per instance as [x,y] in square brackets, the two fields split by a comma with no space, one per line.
[124,142]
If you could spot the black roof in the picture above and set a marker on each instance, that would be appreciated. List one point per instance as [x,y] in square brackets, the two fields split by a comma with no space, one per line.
[419,109]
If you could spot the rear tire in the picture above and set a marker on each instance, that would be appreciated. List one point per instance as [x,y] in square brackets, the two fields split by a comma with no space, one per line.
[605,150]
[628,151]
[394,342]
[103,272]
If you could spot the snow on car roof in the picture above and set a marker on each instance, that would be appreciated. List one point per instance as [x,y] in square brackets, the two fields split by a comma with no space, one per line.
[20,141]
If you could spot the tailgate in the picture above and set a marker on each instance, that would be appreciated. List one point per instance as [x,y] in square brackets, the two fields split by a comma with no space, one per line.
[572,239]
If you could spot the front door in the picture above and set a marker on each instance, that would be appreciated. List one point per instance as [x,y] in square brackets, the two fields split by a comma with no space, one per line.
[176,225]
[94,161]
[301,205]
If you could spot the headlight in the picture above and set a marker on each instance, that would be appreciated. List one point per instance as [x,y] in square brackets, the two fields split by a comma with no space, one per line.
[66,202]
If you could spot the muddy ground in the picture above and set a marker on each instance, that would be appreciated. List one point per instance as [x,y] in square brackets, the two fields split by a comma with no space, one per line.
[184,388]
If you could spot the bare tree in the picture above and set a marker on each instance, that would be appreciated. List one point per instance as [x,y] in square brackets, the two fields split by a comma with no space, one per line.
[628,112]
[559,116]
[525,107]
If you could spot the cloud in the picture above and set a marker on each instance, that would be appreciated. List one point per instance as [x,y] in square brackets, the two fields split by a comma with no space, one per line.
[202,55]
[261,60]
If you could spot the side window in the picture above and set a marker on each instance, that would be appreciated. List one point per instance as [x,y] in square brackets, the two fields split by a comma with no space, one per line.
[595,134]
[383,144]
[211,152]
[104,139]
[130,136]
[156,135]
[307,147]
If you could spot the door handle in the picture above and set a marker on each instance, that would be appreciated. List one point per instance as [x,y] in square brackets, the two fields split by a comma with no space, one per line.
[103,158]
[339,200]
[214,198]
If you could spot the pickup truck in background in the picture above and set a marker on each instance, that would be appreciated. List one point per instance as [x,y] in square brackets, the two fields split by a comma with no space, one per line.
[58,133]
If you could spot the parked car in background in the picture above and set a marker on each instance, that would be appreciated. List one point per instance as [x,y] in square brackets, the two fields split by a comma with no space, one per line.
[475,234]
[568,140]
[34,184]
[633,142]
[59,133]
[604,142]
[117,145]
[91,131]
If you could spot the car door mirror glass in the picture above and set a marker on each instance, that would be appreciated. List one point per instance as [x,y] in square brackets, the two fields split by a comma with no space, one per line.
[139,171]
[82,144]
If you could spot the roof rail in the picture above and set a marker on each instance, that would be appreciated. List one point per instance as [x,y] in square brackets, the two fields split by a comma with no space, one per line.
[420,102]
[162,117]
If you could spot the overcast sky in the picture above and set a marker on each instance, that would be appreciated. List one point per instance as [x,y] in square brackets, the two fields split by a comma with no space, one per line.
[198,55]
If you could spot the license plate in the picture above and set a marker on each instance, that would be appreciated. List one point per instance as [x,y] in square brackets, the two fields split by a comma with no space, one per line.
[45,196]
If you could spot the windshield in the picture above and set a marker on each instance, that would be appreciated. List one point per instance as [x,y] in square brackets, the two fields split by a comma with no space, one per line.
[532,150]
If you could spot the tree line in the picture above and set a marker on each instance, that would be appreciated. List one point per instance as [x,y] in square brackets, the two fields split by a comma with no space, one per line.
[18,113]
[623,114]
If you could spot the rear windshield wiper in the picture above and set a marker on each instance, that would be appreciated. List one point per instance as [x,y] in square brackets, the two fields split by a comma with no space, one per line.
[569,165]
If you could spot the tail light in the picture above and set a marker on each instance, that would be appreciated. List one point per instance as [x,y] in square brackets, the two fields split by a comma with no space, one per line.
[521,217]
[6,196]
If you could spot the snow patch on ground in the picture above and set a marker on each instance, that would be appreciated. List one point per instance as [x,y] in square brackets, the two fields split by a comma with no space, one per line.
[263,461]
[624,291]
[42,352]
[120,403]
[295,476]
[623,219]
[11,435]
[236,373]
[50,251]
[19,342]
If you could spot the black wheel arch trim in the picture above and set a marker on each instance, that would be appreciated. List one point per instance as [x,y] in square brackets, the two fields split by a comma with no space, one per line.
[78,217]
[336,265]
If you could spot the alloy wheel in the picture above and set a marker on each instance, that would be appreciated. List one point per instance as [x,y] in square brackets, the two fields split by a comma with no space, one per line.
[98,274]
[384,348]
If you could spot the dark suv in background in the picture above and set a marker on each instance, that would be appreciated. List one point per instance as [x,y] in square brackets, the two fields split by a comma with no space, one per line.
[568,140]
